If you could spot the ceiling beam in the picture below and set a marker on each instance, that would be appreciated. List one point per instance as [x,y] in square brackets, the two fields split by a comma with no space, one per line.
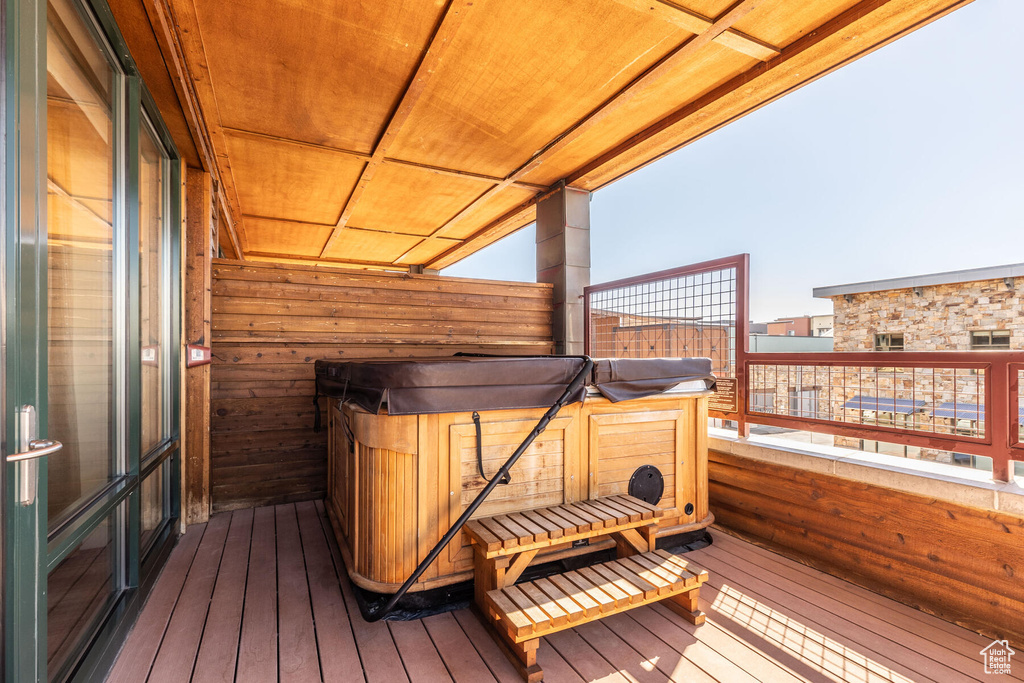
[809,40]
[454,14]
[177,33]
[663,67]
[688,20]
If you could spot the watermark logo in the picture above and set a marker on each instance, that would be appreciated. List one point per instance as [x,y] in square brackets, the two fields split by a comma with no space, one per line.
[997,657]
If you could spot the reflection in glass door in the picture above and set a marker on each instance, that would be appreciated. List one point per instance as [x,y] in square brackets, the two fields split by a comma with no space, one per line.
[82,99]
[85,231]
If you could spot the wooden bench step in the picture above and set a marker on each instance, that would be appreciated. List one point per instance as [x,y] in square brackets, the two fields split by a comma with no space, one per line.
[530,610]
[520,531]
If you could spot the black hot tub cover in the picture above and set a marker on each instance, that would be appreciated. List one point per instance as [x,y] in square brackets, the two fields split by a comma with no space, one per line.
[450,385]
[621,379]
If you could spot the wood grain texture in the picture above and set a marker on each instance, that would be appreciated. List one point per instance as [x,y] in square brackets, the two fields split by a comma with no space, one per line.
[270,323]
[198,252]
[597,90]
[397,488]
[960,563]
[769,619]
[182,53]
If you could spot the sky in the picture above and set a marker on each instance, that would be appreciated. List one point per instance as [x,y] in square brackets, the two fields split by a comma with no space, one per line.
[905,162]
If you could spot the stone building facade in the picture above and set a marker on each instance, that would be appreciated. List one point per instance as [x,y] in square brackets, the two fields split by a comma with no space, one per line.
[981,309]
[930,318]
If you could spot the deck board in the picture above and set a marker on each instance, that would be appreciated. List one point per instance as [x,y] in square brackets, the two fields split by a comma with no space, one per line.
[263,595]
[902,616]
[298,660]
[180,646]
[218,653]
[257,650]
[142,645]
[586,662]
[422,662]
[885,647]
[950,658]
[496,661]
[463,661]
[333,631]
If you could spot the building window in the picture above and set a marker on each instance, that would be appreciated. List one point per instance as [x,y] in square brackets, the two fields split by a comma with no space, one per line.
[990,339]
[888,342]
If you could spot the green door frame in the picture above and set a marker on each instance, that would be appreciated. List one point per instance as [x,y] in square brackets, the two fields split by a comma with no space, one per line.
[25,315]
[30,550]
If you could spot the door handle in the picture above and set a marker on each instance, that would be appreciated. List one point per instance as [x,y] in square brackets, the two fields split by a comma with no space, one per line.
[27,459]
[37,448]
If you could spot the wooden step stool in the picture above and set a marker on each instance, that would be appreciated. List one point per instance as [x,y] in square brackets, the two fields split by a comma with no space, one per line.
[519,615]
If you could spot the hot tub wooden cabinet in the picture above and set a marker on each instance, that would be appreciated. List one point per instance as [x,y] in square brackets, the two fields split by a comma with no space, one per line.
[397,482]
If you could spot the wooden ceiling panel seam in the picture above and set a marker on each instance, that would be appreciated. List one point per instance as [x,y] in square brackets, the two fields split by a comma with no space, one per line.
[809,40]
[454,173]
[662,66]
[695,23]
[277,236]
[486,233]
[451,19]
[169,20]
[412,200]
[355,263]
[290,182]
[483,239]
[463,174]
[299,143]
[504,218]
[375,247]
[432,246]
[313,224]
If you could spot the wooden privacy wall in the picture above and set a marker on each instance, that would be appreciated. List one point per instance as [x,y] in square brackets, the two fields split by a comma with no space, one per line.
[271,322]
[961,563]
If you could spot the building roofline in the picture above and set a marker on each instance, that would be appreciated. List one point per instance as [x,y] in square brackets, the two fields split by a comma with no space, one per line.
[949,277]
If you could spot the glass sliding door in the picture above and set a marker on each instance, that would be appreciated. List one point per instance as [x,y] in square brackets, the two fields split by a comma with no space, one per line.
[82,103]
[155,330]
[153,214]
[79,589]
[86,361]
[91,304]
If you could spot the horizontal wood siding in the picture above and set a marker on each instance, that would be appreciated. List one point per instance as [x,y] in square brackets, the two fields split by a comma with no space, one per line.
[271,322]
[961,563]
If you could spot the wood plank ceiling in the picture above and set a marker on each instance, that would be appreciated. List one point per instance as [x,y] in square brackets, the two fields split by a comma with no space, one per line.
[401,134]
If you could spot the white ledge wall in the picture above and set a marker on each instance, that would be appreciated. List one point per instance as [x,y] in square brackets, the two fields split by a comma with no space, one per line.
[964,486]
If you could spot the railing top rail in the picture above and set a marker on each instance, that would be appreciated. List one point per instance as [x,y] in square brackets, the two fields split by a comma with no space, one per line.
[938,359]
[704,267]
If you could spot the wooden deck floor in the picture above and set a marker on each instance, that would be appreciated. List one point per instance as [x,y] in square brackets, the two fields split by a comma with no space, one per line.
[255,595]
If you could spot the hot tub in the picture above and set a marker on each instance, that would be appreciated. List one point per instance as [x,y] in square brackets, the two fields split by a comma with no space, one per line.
[403,461]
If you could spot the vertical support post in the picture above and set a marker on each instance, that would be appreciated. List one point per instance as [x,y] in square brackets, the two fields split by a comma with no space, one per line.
[1000,414]
[198,254]
[563,259]
[742,343]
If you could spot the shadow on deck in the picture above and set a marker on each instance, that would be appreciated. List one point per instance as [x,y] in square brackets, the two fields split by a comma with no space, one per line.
[255,595]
